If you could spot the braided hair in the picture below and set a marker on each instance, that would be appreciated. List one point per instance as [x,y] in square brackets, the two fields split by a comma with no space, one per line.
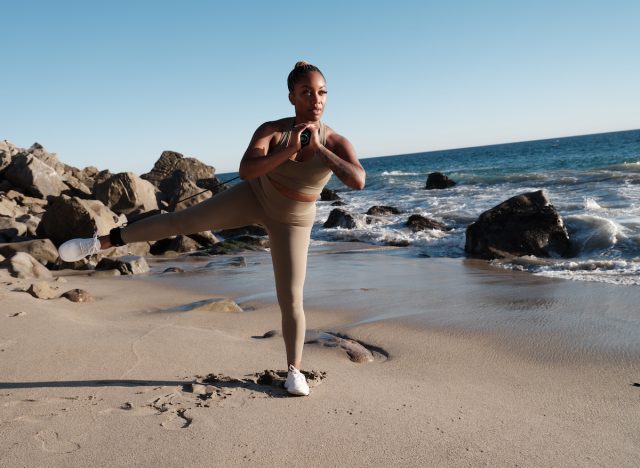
[300,69]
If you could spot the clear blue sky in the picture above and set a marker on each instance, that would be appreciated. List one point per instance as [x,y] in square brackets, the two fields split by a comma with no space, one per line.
[114,83]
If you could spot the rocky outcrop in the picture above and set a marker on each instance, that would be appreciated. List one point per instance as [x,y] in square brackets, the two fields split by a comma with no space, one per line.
[437,180]
[178,177]
[7,151]
[420,223]
[251,230]
[526,224]
[70,217]
[34,176]
[126,193]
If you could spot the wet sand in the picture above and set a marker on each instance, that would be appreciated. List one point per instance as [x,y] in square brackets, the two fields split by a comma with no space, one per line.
[472,366]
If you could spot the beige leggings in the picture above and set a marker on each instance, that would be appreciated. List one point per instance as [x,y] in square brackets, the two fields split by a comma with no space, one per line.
[287,222]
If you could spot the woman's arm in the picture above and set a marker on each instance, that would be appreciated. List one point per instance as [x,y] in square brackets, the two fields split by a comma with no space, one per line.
[342,160]
[257,161]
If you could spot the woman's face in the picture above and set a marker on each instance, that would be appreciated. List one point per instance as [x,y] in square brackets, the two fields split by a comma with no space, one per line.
[309,97]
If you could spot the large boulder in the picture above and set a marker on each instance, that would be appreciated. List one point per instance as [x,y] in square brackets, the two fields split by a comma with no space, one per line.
[126,193]
[181,192]
[42,250]
[34,176]
[170,162]
[437,180]
[526,224]
[69,217]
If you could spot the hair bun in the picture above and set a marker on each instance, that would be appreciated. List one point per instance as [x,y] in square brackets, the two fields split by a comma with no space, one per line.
[301,63]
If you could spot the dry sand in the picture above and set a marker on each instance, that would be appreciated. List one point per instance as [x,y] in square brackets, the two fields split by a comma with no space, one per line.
[473,367]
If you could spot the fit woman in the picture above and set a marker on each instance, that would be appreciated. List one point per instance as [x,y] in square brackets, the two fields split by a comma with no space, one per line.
[284,169]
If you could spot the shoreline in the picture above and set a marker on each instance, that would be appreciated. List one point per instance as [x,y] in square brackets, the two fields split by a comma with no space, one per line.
[109,380]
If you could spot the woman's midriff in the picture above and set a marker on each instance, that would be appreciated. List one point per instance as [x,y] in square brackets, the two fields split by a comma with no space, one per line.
[292,194]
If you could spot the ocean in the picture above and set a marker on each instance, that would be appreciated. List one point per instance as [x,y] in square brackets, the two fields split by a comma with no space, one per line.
[593,181]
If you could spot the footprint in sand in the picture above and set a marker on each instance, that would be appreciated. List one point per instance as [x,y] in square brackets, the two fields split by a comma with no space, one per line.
[52,443]
[178,420]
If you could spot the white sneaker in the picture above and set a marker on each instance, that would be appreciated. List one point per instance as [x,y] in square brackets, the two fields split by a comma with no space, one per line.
[296,383]
[76,249]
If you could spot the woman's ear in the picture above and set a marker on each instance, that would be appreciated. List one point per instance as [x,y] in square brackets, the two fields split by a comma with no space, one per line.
[291,99]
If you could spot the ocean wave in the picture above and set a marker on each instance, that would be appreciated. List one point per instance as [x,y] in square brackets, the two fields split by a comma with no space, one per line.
[623,272]
[400,173]
[590,234]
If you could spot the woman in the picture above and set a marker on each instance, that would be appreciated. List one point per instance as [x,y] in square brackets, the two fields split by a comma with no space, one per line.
[284,169]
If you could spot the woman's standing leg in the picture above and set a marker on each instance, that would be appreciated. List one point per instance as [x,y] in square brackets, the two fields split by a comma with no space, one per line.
[289,248]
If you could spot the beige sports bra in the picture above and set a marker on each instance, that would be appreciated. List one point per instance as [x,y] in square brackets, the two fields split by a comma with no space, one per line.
[308,177]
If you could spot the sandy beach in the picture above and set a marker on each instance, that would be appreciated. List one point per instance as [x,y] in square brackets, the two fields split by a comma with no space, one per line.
[473,366]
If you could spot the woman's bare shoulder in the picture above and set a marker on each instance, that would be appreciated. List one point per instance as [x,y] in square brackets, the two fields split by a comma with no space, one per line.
[273,126]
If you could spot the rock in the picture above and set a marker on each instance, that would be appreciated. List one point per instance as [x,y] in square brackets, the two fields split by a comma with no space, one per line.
[339,218]
[50,159]
[87,176]
[382,210]
[523,225]
[170,162]
[23,265]
[77,188]
[173,270]
[34,176]
[238,244]
[329,195]
[43,290]
[78,295]
[420,223]
[175,244]
[356,352]
[70,217]
[7,151]
[29,204]
[42,250]
[9,208]
[437,180]
[181,192]
[211,305]
[205,238]
[31,222]
[126,193]
[251,230]
[11,229]
[338,203]
[127,265]
[178,177]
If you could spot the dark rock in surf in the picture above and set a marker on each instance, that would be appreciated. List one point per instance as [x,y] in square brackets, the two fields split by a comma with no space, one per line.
[420,223]
[437,180]
[329,195]
[339,218]
[380,210]
[338,203]
[526,224]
